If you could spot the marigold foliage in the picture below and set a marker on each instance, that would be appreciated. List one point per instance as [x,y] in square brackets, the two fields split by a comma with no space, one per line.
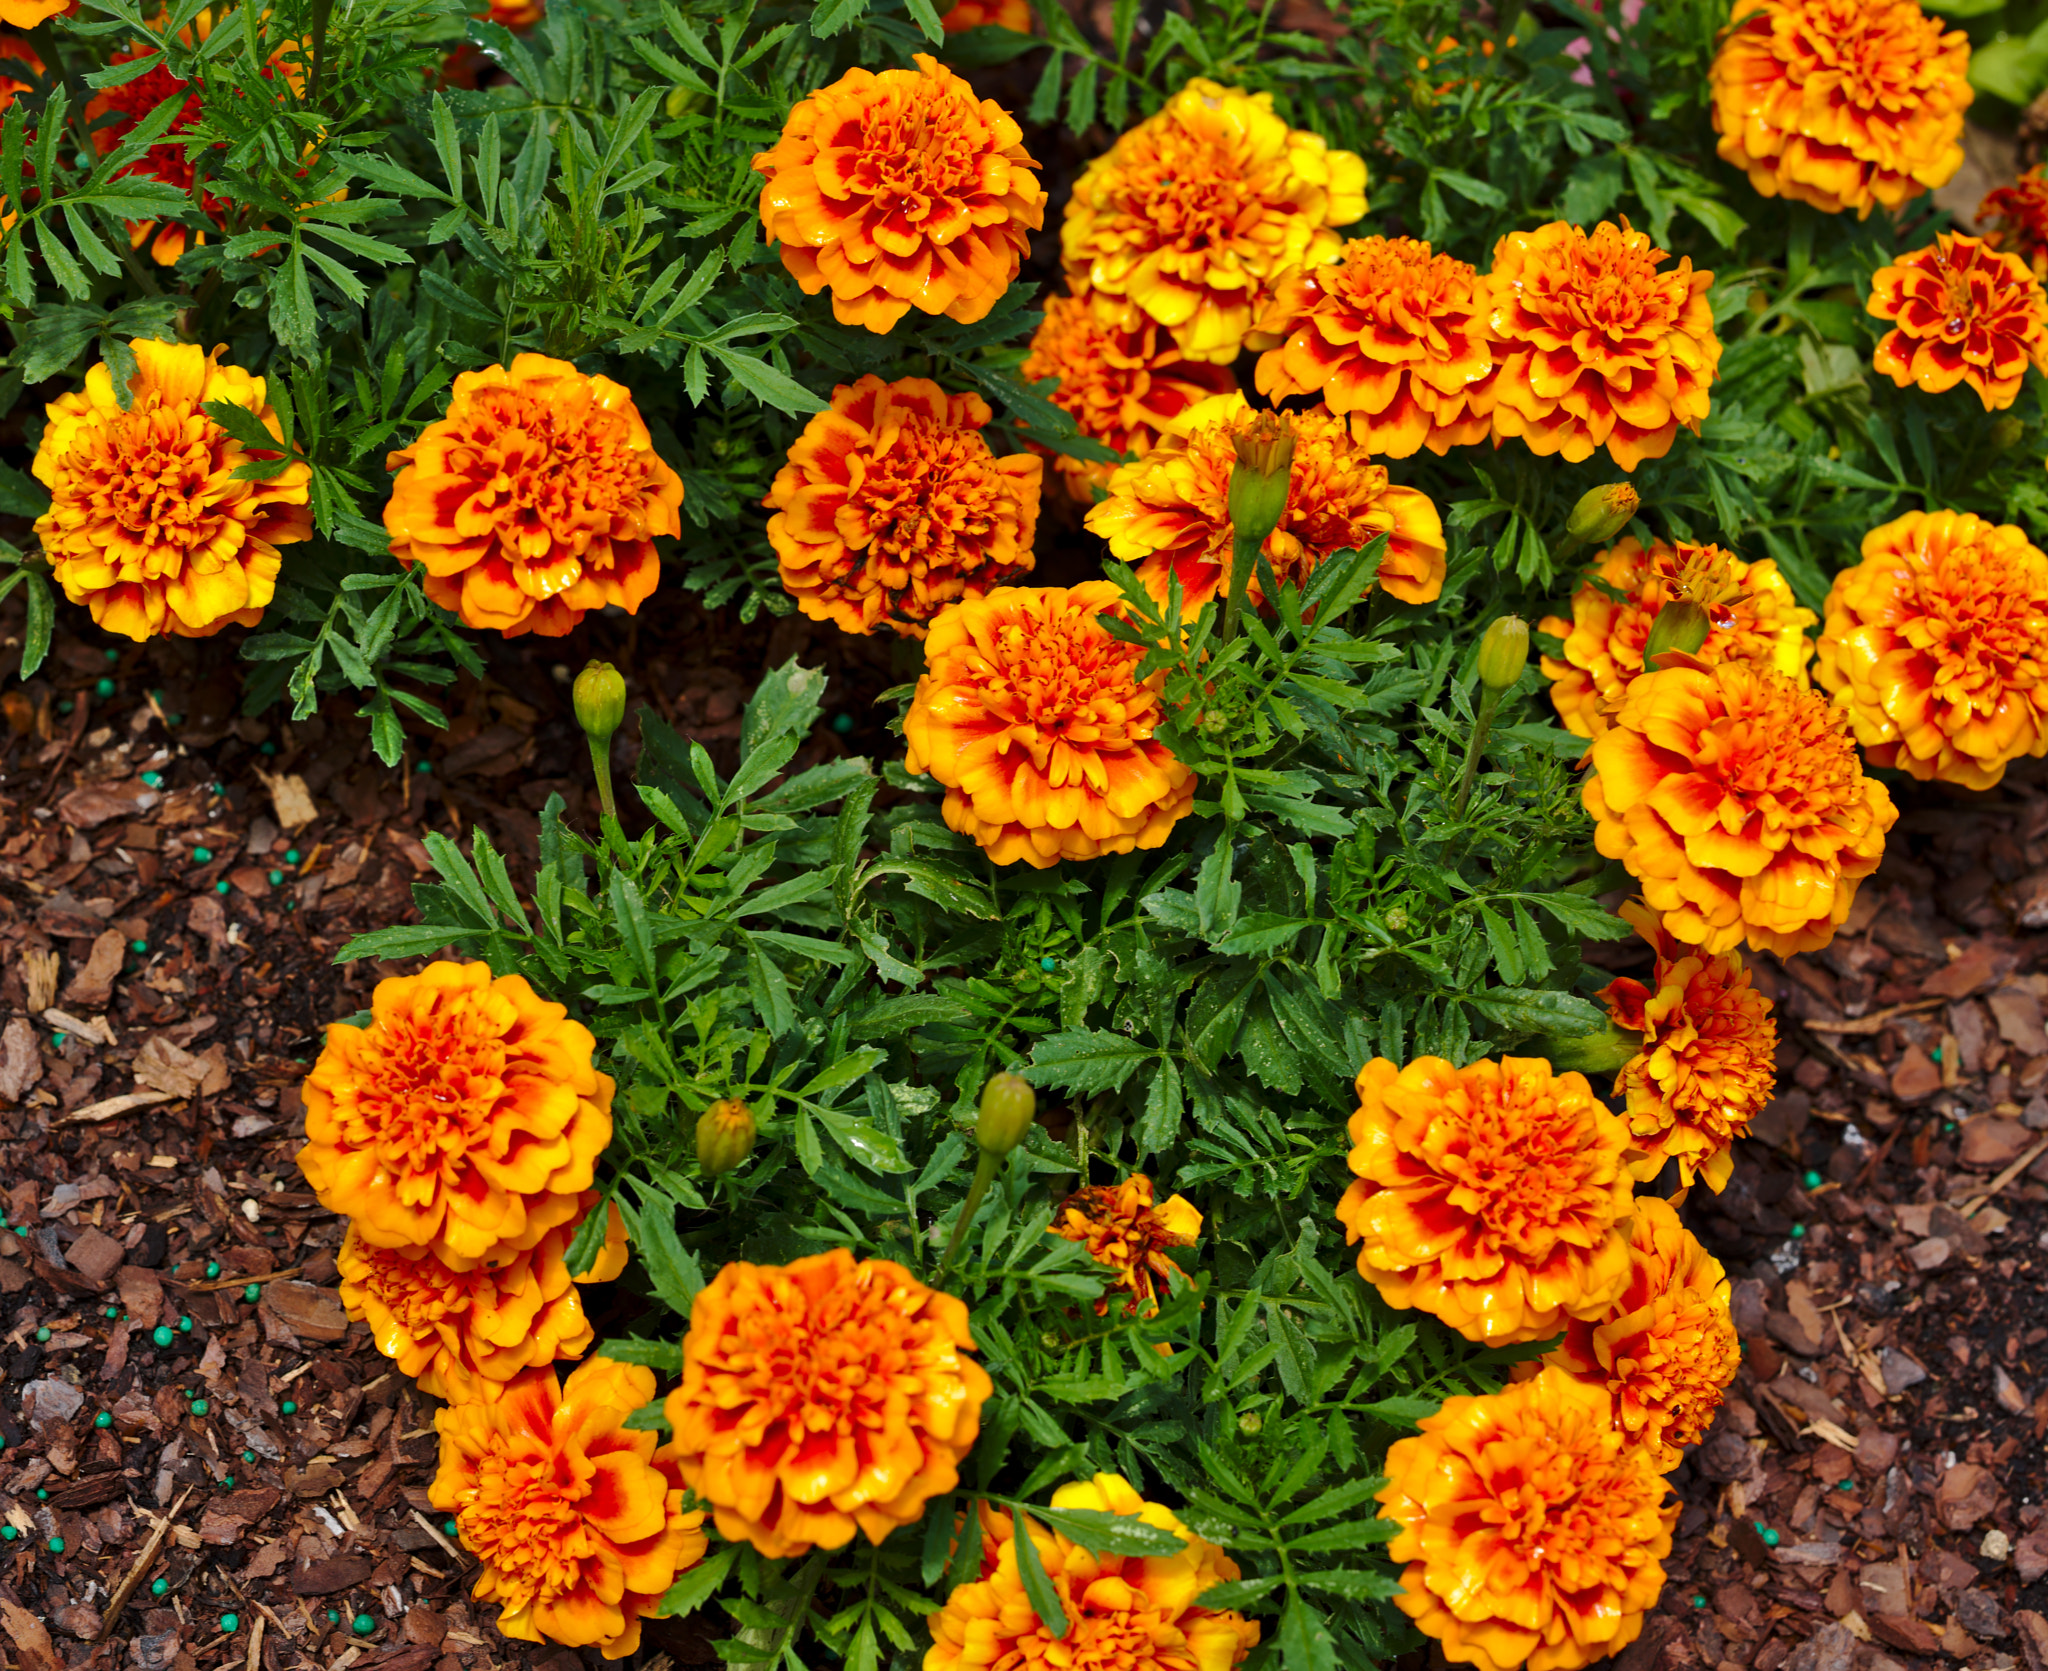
[1961,312]
[2014,219]
[1124,1231]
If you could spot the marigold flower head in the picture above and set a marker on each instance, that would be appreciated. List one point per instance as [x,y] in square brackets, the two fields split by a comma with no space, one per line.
[1014,15]
[1844,104]
[1961,312]
[1936,647]
[147,525]
[1168,513]
[1124,1612]
[517,15]
[26,14]
[1191,215]
[1123,387]
[465,1120]
[823,1397]
[577,1520]
[2014,219]
[892,506]
[1392,336]
[169,160]
[1708,1062]
[1491,1196]
[1751,612]
[1532,1527]
[899,190]
[1033,718]
[1122,1230]
[536,498]
[1735,798]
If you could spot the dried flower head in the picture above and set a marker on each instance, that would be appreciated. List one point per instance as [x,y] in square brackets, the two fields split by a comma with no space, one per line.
[2015,219]
[1961,312]
[1122,1230]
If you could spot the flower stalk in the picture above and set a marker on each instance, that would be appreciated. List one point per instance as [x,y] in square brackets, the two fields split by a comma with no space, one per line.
[599,698]
[1503,654]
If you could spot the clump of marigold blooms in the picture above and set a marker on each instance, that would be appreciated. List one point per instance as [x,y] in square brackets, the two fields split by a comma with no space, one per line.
[823,1397]
[1491,1196]
[1191,215]
[1936,647]
[899,190]
[1961,312]
[1752,616]
[1735,798]
[1168,513]
[893,505]
[1124,1231]
[1533,1528]
[1123,388]
[577,1520]
[147,525]
[1844,104]
[2014,219]
[1598,344]
[976,14]
[1708,1062]
[1136,1612]
[465,1120]
[1394,337]
[1034,719]
[1665,1350]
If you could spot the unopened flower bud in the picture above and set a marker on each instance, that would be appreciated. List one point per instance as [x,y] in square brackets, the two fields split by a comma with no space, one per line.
[725,1136]
[1680,625]
[1504,652]
[599,697]
[1258,483]
[1603,1052]
[1008,1106]
[2006,433]
[1250,1422]
[1601,513]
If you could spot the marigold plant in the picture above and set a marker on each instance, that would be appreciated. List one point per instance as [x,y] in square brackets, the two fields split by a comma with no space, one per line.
[2014,219]
[892,506]
[576,1519]
[1034,719]
[1533,1529]
[465,1120]
[1936,647]
[823,1397]
[1961,312]
[1124,1231]
[1492,1196]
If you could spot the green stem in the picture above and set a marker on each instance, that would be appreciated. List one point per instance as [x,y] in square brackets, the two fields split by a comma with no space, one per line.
[1244,557]
[984,1175]
[322,10]
[601,766]
[1489,699]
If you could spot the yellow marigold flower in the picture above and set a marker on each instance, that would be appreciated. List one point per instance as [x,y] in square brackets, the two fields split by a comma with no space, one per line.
[1533,1530]
[1598,345]
[147,526]
[1032,717]
[901,190]
[1936,647]
[1708,1062]
[1124,1612]
[465,1120]
[1961,312]
[1665,1350]
[1844,104]
[26,14]
[1123,387]
[577,1520]
[1123,1230]
[1752,615]
[975,14]
[823,1397]
[1735,798]
[1392,336]
[1491,1196]
[2015,219]
[1168,513]
[892,506]
[1193,213]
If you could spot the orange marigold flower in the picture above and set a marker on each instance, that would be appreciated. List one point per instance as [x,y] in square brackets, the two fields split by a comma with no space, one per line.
[1533,1529]
[13,46]
[901,190]
[465,1120]
[1708,1062]
[823,1397]
[147,525]
[892,506]
[1598,347]
[1844,104]
[1124,1612]
[974,14]
[1936,646]
[1752,617]
[169,160]
[1961,312]
[1392,336]
[26,14]
[2015,219]
[1123,387]
[1168,513]
[1123,1230]
[517,15]
[1665,1350]
[1492,1196]
[1194,212]
[577,1520]
[1735,798]
[536,498]
[1033,718]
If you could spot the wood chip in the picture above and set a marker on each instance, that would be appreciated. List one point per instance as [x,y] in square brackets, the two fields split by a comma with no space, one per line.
[2011,1172]
[1875,1022]
[126,1587]
[112,1107]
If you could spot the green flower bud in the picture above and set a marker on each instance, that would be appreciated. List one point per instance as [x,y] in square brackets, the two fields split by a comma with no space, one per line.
[1601,513]
[2006,433]
[1602,1052]
[1008,1106]
[1504,652]
[1680,625]
[1259,482]
[725,1136]
[600,700]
